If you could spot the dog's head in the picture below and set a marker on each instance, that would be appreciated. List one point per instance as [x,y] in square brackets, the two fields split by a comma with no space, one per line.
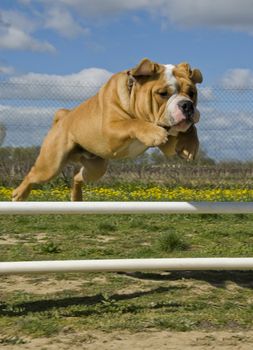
[165,94]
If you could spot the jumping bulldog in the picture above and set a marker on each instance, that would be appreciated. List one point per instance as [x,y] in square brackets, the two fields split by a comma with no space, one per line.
[147,106]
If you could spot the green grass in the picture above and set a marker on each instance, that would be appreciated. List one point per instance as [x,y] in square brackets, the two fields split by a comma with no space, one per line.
[181,301]
[171,241]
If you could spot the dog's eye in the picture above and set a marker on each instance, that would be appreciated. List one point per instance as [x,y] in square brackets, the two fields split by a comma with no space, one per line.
[163,93]
[191,94]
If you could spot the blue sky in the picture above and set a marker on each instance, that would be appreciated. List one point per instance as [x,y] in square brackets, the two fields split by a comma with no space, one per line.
[59,42]
[67,36]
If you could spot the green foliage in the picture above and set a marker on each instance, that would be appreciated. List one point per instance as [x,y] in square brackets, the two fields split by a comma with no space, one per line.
[50,248]
[172,241]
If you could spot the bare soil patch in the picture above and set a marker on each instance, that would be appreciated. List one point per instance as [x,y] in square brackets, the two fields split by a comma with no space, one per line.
[140,341]
[38,286]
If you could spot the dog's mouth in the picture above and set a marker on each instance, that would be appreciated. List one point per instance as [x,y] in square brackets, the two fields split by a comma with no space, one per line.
[167,128]
[183,125]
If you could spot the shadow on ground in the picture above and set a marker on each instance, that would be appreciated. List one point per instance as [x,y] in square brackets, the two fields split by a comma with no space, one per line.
[24,308]
[218,279]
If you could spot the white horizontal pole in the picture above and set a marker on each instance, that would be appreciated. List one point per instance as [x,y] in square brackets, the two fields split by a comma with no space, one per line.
[35,208]
[117,265]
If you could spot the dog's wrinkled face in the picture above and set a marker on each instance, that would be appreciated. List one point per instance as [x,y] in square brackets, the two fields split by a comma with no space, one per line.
[165,94]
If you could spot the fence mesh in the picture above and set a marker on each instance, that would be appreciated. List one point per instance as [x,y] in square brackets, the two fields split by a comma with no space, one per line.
[225,132]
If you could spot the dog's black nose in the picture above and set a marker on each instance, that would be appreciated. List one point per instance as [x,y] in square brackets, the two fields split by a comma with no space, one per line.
[186,107]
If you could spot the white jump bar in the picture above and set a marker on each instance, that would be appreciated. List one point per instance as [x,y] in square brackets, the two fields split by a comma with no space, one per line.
[117,265]
[37,208]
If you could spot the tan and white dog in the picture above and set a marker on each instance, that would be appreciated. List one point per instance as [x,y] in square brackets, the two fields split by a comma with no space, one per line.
[149,105]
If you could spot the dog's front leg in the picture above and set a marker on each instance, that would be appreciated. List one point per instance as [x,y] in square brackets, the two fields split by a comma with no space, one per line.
[185,144]
[188,144]
[147,133]
[169,148]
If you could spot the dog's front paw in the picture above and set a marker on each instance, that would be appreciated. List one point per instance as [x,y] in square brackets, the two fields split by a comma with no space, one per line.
[187,151]
[153,135]
[185,154]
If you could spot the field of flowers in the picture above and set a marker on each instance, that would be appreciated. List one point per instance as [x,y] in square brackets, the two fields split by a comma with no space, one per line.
[131,192]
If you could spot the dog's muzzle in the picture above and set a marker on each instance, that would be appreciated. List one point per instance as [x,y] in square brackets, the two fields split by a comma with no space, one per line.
[180,109]
[187,109]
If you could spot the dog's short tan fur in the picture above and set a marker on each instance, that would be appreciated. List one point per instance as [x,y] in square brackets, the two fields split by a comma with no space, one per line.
[122,120]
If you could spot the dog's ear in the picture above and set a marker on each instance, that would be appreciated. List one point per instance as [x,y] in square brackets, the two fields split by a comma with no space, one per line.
[145,68]
[196,76]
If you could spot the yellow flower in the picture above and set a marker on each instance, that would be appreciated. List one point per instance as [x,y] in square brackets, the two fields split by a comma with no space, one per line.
[138,193]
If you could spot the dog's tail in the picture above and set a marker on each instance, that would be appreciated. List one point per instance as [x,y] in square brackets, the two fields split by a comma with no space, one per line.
[61,113]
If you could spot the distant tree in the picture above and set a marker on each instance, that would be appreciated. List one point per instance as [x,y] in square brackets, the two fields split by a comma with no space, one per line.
[2,133]
[204,158]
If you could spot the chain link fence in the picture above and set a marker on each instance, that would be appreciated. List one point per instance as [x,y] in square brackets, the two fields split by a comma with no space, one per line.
[225,132]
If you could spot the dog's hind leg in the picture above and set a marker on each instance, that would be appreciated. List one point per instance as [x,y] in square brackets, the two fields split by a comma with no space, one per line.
[92,170]
[53,156]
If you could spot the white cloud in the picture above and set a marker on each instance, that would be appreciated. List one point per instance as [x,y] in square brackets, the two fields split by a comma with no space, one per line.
[15,33]
[45,86]
[238,78]
[25,126]
[64,23]
[17,29]
[225,127]
[229,14]
[45,93]
[19,116]
[205,93]
[14,39]
[18,20]
[109,7]
[6,69]
[66,17]
[224,145]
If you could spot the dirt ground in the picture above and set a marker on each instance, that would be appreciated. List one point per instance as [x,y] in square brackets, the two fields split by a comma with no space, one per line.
[140,341]
[117,340]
